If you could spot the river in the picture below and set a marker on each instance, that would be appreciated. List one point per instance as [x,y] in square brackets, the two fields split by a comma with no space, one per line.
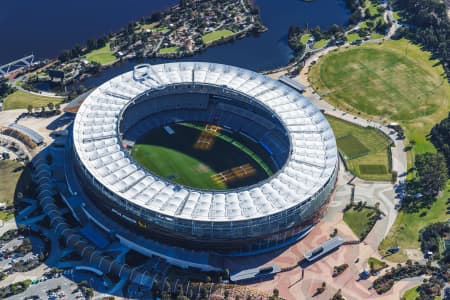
[46,27]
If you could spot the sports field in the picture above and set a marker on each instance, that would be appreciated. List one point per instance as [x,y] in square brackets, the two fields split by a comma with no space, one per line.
[365,150]
[392,81]
[21,99]
[190,155]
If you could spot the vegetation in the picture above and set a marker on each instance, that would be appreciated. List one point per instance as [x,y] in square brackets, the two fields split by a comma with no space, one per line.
[405,231]
[430,26]
[384,283]
[216,35]
[365,149]
[298,37]
[338,270]
[393,81]
[338,296]
[102,55]
[376,265]
[5,88]
[14,289]
[440,137]
[169,50]
[432,173]
[411,294]
[11,171]
[361,218]
[431,288]
[22,99]
[433,239]
[321,43]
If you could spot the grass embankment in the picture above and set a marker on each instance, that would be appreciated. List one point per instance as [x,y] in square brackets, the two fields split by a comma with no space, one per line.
[364,149]
[360,220]
[394,81]
[102,56]
[216,35]
[21,99]
[10,172]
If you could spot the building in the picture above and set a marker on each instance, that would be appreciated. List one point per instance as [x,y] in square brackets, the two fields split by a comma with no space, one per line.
[260,217]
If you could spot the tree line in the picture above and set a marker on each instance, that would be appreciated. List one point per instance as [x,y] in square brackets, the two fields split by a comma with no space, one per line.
[428,25]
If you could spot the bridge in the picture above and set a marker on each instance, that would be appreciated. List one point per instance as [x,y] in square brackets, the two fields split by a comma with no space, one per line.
[17,64]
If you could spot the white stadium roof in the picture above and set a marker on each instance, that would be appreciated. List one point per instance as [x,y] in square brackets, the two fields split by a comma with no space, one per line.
[312,161]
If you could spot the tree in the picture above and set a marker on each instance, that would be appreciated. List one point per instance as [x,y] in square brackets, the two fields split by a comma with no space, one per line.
[50,106]
[432,171]
[30,108]
[43,108]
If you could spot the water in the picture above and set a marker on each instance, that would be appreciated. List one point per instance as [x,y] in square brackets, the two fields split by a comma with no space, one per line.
[48,27]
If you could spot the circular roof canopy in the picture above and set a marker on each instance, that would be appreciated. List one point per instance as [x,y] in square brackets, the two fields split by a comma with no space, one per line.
[310,166]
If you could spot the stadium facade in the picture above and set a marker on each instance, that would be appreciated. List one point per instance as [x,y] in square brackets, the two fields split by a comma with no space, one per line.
[262,216]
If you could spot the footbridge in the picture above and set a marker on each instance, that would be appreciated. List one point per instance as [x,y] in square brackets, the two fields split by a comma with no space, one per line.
[23,62]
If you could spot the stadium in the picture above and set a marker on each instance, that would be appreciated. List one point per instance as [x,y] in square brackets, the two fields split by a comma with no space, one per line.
[205,156]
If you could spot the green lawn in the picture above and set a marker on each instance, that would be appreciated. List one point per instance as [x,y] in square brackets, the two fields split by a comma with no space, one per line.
[304,38]
[394,81]
[376,35]
[154,27]
[411,294]
[351,37]
[176,166]
[216,35]
[358,220]
[365,150]
[320,43]
[21,99]
[9,178]
[102,56]
[169,50]
[405,231]
[376,265]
